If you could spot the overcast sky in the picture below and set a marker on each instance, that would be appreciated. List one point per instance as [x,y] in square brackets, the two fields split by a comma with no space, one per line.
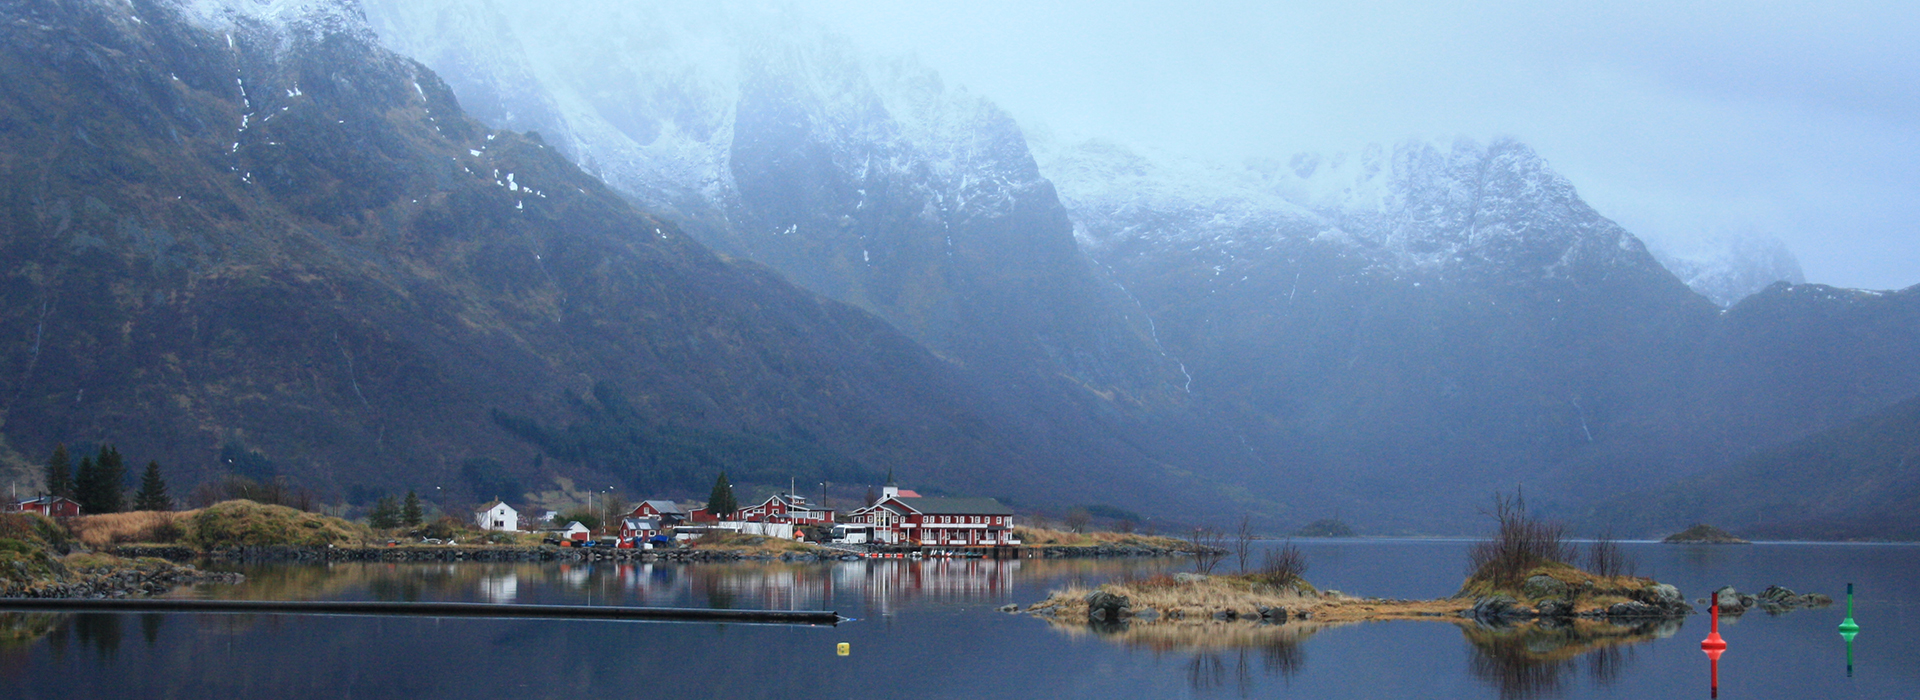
[1675,119]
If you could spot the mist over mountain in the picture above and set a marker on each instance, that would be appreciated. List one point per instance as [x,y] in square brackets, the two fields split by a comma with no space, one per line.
[242,229]
[1730,267]
[1432,321]
[639,243]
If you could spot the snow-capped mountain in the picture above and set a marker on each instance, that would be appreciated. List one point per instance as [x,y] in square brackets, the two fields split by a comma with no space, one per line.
[1419,207]
[1729,267]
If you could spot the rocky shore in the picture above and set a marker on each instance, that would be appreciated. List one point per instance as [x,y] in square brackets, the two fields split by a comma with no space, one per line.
[1552,598]
[1773,601]
[136,578]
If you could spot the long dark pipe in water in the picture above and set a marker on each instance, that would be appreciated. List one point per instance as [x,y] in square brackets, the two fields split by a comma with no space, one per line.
[424,609]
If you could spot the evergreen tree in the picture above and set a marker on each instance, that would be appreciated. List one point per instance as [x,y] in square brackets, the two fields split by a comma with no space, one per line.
[385,515]
[60,472]
[85,486]
[410,514]
[110,478]
[153,491]
[720,503]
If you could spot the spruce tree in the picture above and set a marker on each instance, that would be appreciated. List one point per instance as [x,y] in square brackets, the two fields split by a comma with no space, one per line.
[60,472]
[385,515]
[153,491]
[410,514]
[110,478]
[720,502]
[85,488]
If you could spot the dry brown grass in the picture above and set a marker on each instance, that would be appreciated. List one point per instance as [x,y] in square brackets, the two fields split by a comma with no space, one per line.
[1192,601]
[1588,589]
[1046,537]
[144,527]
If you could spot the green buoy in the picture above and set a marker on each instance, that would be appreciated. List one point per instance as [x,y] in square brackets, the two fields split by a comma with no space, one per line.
[1848,629]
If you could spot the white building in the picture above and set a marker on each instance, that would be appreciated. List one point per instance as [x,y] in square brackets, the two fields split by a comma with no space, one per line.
[497,516]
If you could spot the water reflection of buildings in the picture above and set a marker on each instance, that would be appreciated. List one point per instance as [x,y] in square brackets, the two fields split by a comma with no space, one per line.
[779,586]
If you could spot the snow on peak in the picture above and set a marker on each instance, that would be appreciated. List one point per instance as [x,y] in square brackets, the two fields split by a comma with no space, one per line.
[1419,204]
[647,95]
[321,17]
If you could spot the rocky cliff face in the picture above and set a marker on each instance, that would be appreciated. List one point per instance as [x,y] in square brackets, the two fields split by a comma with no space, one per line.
[246,229]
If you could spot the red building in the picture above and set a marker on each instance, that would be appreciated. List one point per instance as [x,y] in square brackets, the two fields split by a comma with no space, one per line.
[787,508]
[938,522]
[667,512]
[50,506]
[652,518]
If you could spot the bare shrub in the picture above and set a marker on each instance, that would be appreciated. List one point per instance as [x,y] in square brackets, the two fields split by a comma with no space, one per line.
[1283,565]
[1243,542]
[1207,550]
[1078,518]
[1606,558]
[1520,543]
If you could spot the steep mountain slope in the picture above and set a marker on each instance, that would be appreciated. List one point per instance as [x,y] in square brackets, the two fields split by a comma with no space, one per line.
[1859,480]
[868,181]
[1421,325]
[246,229]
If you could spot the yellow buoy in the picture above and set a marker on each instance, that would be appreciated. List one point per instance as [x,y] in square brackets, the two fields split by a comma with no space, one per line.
[844,649]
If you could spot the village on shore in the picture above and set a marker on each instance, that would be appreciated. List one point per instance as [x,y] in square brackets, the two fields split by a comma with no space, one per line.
[899,522]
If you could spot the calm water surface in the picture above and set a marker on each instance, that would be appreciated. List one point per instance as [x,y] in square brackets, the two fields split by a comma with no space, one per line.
[929,630]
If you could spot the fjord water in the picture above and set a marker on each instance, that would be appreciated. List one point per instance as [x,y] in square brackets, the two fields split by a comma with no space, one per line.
[928,629]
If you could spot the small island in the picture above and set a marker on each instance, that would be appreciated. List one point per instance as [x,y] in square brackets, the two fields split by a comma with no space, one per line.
[1703,534]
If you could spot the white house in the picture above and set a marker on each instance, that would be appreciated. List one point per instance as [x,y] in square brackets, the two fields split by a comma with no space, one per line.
[497,516]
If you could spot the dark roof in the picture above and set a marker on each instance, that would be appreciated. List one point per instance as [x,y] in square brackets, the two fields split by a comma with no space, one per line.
[958,506]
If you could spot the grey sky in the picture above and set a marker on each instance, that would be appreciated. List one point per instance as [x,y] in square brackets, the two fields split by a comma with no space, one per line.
[1675,119]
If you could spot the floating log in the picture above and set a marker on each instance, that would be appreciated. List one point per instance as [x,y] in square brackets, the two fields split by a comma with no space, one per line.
[420,609]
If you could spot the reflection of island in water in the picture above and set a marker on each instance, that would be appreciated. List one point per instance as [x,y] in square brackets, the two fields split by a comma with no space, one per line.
[1537,659]
[1526,660]
[1223,655]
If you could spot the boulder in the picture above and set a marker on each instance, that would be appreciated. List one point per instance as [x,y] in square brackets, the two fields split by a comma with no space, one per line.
[1731,601]
[1275,614]
[1147,615]
[1102,605]
[1496,608]
[1543,586]
[1632,608]
[1555,608]
[1010,607]
[1185,577]
[1228,615]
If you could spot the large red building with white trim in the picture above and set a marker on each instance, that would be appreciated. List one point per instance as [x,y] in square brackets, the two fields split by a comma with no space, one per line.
[938,522]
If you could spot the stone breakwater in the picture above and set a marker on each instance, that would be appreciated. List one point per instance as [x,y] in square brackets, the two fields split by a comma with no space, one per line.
[148,578]
[458,553]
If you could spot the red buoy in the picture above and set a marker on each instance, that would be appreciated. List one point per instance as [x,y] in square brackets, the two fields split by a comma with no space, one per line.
[1714,646]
